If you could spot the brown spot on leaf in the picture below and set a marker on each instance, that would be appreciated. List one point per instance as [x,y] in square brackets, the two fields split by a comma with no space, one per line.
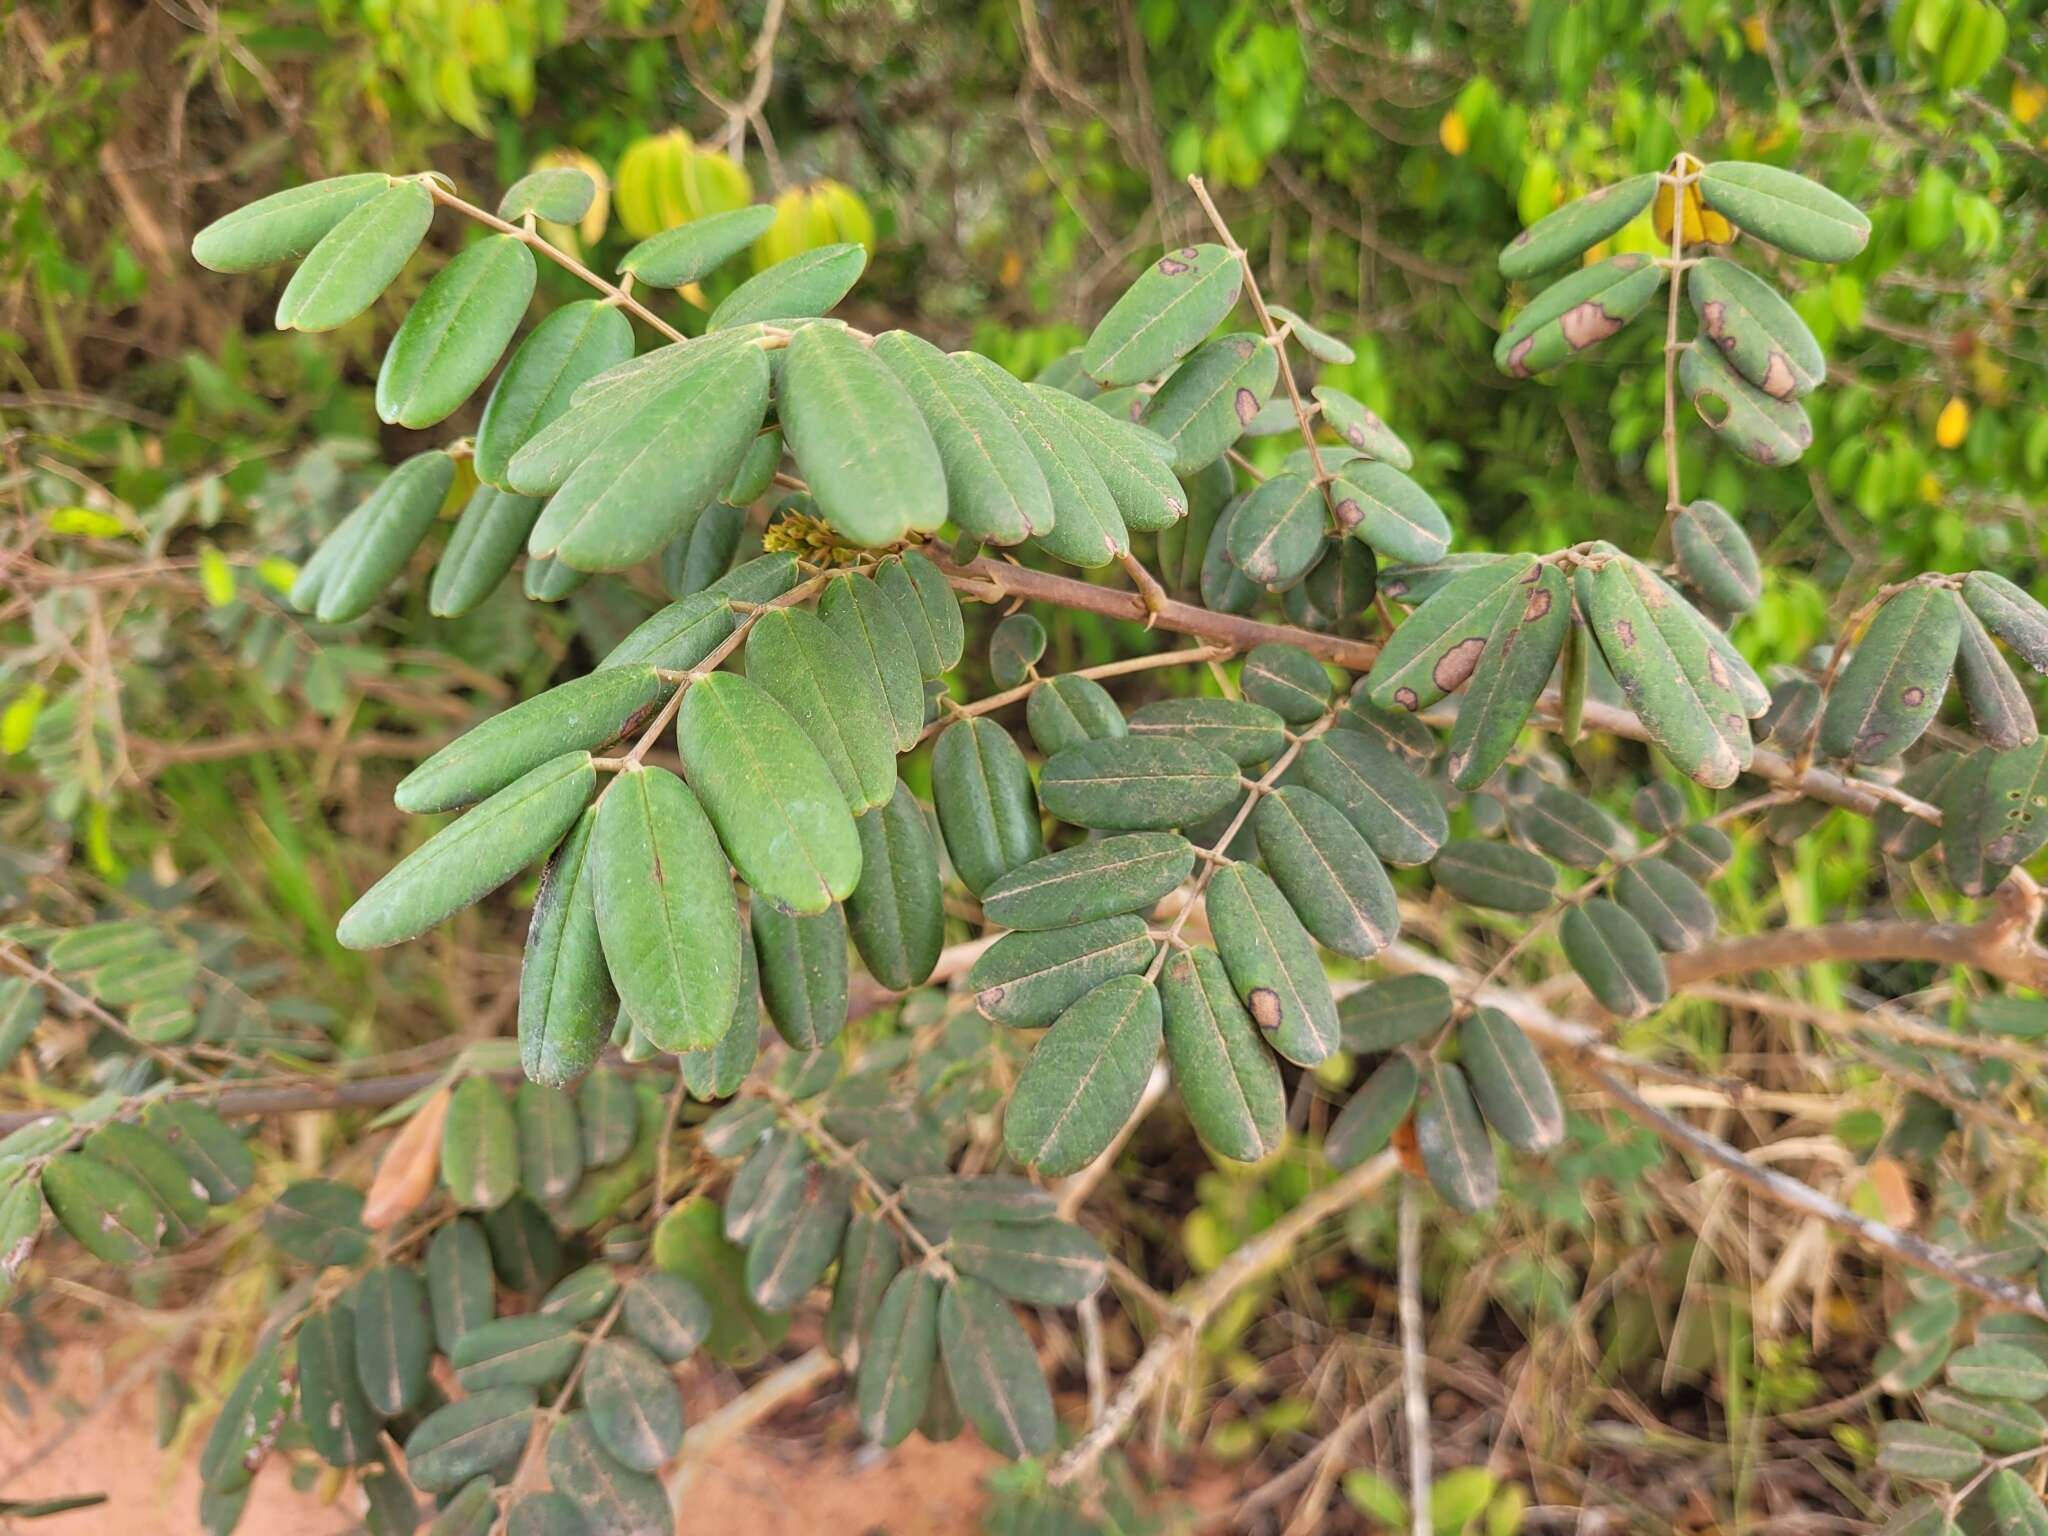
[1405,697]
[1349,515]
[1588,324]
[1265,1006]
[1763,451]
[1625,633]
[1518,357]
[1780,383]
[1714,316]
[1913,698]
[1868,743]
[1247,405]
[1717,669]
[989,997]
[1456,664]
[1170,267]
[1537,606]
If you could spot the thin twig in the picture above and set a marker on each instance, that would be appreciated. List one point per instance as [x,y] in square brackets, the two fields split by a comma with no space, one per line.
[1414,1350]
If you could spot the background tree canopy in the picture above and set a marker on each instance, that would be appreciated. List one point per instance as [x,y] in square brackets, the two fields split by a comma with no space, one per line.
[1705,1298]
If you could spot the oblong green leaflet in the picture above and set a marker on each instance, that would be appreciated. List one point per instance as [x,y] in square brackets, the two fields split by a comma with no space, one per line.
[2001,1425]
[209,1148]
[859,438]
[2011,613]
[109,1212]
[583,1295]
[1207,402]
[1510,1082]
[693,250]
[572,346]
[667,1314]
[804,286]
[1164,315]
[250,1418]
[1272,963]
[526,1251]
[609,1116]
[1456,1151]
[1030,979]
[550,1141]
[1615,958]
[1277,533]
[1014,647]
[1577,227]
[1715,557]
[797,1238]
[1672,908]
[1925,1452]
[1371,1116]
[993,1371]
[1043,1263]
[896,914]
[1381,507]
[357,259]
[1435,650]
[566,999]
[459,1282]
[1131,873]
[812,673]
[559,194]
[1495,875]
[484,1432]
[1397,812]
[803,973]
[988,813]
[1576,313]
[1228,1080]
[1996,699]
[1762,429]
[1087,526]
[487,539]
[1515,663]
[612,1499]
[549,580]
[1327,871]
[480,1146]
[653,476]
[1137,783]
[1643,638]
[1998,1370]
[339,1420]
[455,332]
[1068,709]
[1570,828]
[373,544]
[1245,732]
[1318,344]
[718,1071]
[666,913]
[679,636]
[874,632]
[1221,585]
[472,856]
[179,1198]
[285,225]
[941,607]
[472,1512]
[1133,460]
[581,414]
[1361,427]
[1786,209]
[1896,678]
[1338,590]
[994,487]
[1759,333]
[778,811]
[1901,834]
[635,1410]
[869,1261]
[897,1357]
[1385,1014]
[535,1349]
[585,712]
[2016,818]
[1967,815]
[394,1337]
[1085,1077]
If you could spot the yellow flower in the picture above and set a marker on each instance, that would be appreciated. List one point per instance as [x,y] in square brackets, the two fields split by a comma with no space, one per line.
[2028,98]
[1452,133]
[1756,32]
[1702,224]
[1953,424]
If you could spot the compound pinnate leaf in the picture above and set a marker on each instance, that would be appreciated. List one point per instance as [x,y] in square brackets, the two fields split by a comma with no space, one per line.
[873,630]
[315,1221]
[568,349]
[534,1349]
[356,259]
[1577,227]
[488,537]
[1785,209]
[1101,878]
[1164,315]
[285,225]
[1669,904]
[566,998]
[372,544]
[2016,817]
[693,250]
[1361,427]
[898,1355]
[1385,1014]
[1398,813]
[1515,662]
[1276,535]
[455,332]
[896,913]
[394,1337]
[1085,1077]
[339,1420]
[109,1212]
[1763,429]
[666,914]
[994,487]
[1434,651]
[1138,783]
[1615,958]
[859,439]
[1228,1080]
[993,1371]
[1510,1082]
[1643,637]
[1327,871]
[472,856]
[1272,963]
[1494,875]
[634,1407]
[988,813]
[1997,701]
[1245,732]
[1896,678]
[1759,333]
[803,973]
[585,712]
[1369,1119]
[1456,1151]
[484,1432]
[800,288]
[1576,313]
[1207,402]
[1068,709]
[778,811]
[1381,507]
[1715,557]
[2011,613]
